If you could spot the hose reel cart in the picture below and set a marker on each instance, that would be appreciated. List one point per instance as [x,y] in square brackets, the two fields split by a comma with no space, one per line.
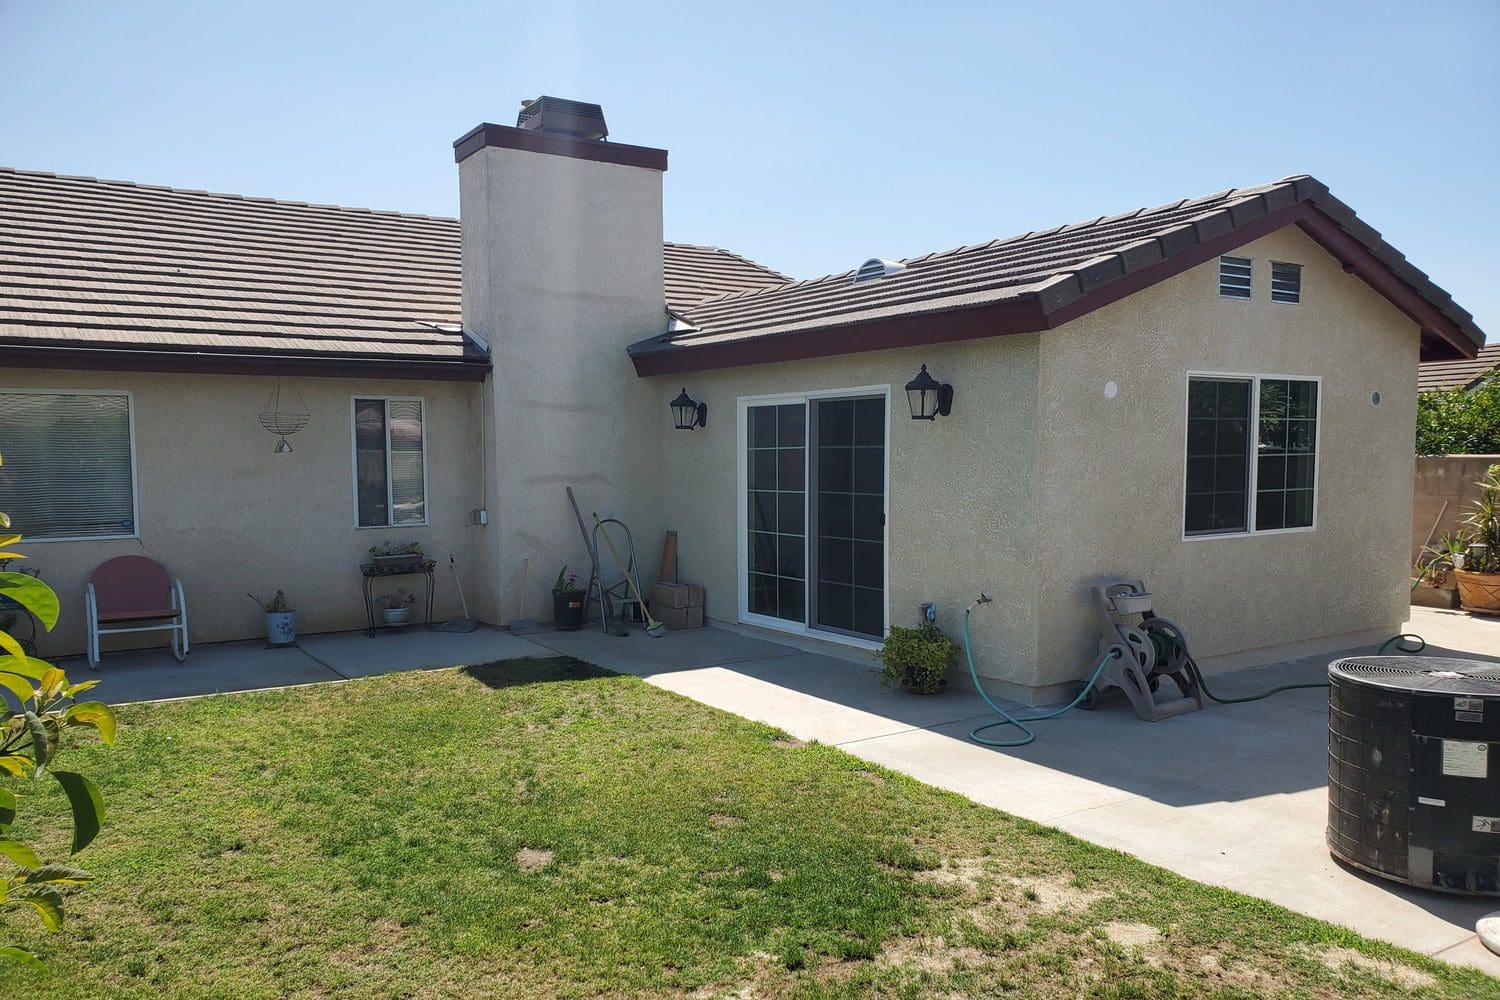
[1150,648]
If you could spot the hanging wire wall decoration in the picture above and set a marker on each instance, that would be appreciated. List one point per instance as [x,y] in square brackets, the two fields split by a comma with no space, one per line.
[283,417]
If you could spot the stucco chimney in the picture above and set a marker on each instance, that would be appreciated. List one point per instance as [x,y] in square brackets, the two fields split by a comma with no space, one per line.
[562,268]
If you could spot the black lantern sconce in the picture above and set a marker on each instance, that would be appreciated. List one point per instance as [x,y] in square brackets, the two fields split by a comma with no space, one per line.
[686,413]
[928,397]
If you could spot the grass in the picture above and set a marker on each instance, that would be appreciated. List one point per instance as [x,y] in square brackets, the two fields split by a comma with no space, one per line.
[543,828]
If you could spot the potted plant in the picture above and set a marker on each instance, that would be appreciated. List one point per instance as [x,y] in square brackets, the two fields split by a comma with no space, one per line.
[395,608]
[567,602]
[396,553]
[281,620]
[917,658]
[1479,577]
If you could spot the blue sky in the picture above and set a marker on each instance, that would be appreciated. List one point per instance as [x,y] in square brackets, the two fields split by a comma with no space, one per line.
[807,135]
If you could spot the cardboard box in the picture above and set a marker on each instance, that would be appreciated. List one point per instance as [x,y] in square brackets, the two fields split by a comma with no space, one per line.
[676,595]
[680,618]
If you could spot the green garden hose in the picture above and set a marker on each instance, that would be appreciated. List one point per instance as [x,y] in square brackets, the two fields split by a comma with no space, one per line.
[1164,645]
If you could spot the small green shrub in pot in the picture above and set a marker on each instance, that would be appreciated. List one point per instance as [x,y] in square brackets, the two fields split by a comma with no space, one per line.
[917,658]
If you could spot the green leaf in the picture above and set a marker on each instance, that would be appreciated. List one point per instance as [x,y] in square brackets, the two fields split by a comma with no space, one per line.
[16,686]
[10,647]
[48,903]
[25,666]
[56,873]
[41,743]
[20,854]
[88,807]
[14,763]
[22,957]
[7,808]
[4,520]
[33,595]
[96,714]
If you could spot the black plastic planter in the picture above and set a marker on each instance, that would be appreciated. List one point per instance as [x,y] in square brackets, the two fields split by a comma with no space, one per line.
[567,610]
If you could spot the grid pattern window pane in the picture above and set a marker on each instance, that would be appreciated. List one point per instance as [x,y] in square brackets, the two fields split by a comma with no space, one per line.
[67,471]
[1286,282]
[390,480]
[1234,277]
[776,478]
[1286,454]
[1218,456]
[850,470]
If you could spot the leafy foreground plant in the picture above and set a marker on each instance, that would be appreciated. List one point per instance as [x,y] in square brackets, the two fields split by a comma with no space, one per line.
[46,706]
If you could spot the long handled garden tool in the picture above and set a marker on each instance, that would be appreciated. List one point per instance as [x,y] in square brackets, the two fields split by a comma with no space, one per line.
[596,580]
[464,624]
[654,628]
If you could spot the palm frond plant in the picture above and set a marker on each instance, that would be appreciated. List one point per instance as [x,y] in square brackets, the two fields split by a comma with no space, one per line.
[1479,579]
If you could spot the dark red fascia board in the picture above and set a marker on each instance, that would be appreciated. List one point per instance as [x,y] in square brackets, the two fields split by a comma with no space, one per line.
[207,363]
[532,141]
[1441,337]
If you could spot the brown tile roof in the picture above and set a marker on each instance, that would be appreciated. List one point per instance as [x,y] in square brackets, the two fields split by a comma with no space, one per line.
[1458,374]
[135,270]
[1028,282]
[694,273]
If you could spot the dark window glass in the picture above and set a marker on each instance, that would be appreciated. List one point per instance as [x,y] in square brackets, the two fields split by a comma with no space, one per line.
[850,515]
[1218,446]
[369,463]
[776,470]
[1287,450]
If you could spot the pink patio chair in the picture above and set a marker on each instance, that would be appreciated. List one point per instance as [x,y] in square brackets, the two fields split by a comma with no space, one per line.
[127,592]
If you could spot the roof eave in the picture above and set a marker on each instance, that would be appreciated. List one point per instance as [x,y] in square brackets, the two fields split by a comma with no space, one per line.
[470,368]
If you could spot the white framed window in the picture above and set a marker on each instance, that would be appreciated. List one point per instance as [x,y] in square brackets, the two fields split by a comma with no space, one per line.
[69,464]
[1252,454]
[390,461]
[1234,277]
[1286,282]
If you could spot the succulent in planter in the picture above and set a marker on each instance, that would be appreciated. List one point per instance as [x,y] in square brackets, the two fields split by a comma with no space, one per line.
[396,552]
[281,619]
[917,658]
[1441,558]
[396,599]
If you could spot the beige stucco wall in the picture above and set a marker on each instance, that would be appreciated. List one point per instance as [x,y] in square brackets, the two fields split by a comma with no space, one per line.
[562,269]
[961,505]
[228,516]
[1112,469]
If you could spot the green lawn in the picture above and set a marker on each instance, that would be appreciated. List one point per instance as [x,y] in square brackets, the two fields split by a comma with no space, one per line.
[540,827]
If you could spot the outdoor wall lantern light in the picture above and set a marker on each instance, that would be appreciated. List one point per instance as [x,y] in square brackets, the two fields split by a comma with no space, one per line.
[686,413]
[928,397]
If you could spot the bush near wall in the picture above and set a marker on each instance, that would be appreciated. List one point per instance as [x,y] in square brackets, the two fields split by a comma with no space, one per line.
[1459,422]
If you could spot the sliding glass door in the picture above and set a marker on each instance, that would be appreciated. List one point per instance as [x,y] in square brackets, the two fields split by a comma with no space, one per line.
[815,502]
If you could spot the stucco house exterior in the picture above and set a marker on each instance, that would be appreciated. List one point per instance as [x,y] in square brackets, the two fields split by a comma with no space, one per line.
[1216,396]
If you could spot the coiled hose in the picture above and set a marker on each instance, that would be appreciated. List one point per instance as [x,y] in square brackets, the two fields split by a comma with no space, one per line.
[1164,645]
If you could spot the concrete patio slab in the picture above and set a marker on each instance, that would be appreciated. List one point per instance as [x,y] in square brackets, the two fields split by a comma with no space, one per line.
[354,654]
[150,675]
[638,653]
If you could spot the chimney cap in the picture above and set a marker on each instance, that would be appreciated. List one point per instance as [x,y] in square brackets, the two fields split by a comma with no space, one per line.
[559,116]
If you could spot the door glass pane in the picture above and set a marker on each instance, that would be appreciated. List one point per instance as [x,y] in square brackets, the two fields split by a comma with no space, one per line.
[849,519]
[776,543]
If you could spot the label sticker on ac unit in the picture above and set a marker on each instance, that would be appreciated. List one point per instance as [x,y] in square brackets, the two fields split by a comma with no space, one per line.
[1468,709]
[1462,759]
[1487,824]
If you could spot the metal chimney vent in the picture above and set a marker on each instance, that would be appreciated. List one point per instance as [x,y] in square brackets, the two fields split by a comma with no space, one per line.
[557,116]
[875,267]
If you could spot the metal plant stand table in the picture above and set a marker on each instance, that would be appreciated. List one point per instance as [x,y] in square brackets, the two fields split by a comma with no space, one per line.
[371,570]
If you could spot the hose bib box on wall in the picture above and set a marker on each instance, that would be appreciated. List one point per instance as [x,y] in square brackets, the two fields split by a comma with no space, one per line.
[1413,774]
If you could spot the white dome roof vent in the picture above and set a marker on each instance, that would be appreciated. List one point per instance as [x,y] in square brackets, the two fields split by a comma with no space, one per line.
[875,268]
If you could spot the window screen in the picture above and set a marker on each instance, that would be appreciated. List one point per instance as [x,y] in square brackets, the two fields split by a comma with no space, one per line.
[1286,282]
[390,480]
[67,465]
[1234,277]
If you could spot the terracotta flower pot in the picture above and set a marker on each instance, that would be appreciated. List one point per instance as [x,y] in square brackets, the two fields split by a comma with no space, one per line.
[1479,591]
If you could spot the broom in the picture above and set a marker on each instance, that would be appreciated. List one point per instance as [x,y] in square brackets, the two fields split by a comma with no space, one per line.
[464,624]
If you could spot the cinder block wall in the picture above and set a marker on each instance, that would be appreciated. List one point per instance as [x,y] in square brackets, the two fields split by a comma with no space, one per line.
[1444,479]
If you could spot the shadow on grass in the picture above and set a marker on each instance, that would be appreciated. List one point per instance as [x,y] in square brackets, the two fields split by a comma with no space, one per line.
[529,670]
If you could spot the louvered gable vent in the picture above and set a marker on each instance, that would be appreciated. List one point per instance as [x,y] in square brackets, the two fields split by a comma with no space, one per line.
[1286,282]
[1234,277]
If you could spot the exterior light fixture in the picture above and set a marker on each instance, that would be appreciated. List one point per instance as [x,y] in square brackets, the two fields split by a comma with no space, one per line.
[686,413]
[928,397]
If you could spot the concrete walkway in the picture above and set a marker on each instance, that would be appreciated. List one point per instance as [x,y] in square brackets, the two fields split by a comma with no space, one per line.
[1234,795]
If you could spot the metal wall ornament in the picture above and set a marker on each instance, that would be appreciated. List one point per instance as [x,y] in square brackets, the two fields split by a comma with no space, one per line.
[284,416]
